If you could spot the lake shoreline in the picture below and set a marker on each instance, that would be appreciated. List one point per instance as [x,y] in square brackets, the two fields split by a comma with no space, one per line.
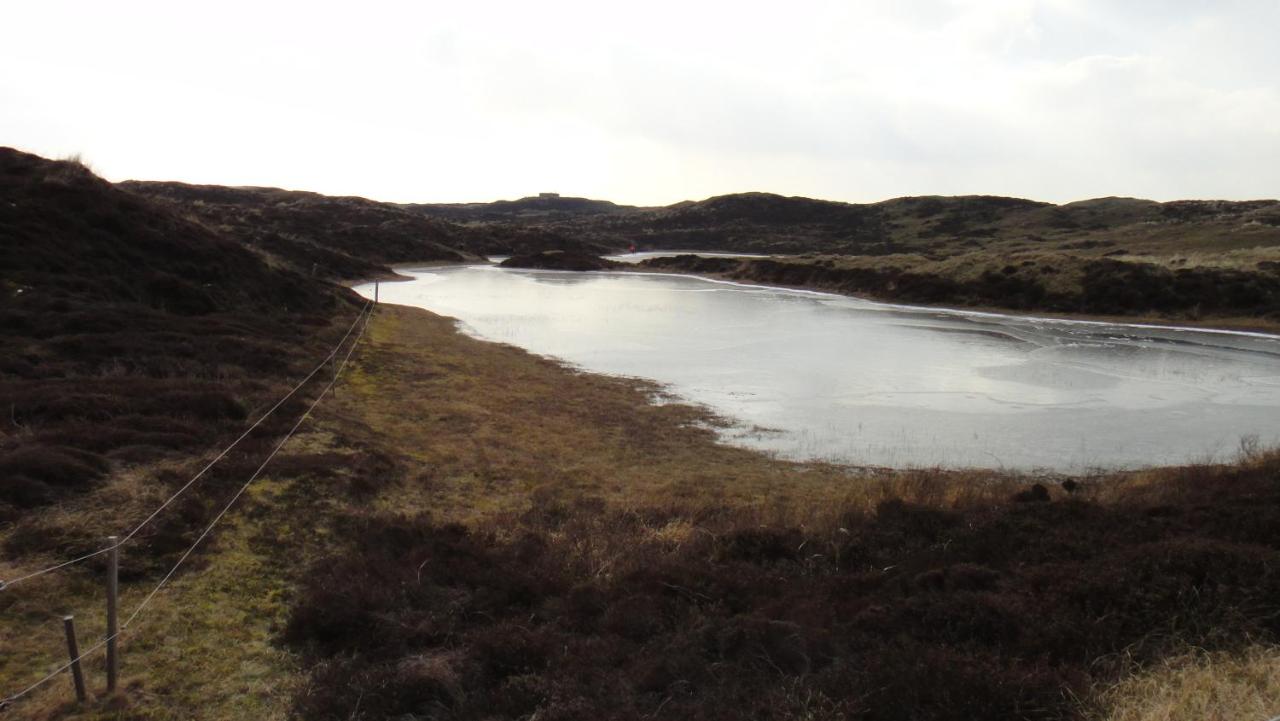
[1270,332]
[1252,325]
[1228,324]
[1038,396]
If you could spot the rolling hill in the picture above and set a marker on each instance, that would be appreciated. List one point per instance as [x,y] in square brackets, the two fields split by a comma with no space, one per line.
[130,334]
[768,223]
[341,237]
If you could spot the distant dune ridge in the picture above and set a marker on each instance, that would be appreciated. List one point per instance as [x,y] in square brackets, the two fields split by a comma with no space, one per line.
[764,222]
[342,237]
[743,222]
[1187,260]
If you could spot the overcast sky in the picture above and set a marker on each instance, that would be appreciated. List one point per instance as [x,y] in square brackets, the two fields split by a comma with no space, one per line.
[657,101]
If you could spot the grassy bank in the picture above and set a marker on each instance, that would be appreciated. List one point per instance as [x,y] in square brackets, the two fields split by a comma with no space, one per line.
[205,645]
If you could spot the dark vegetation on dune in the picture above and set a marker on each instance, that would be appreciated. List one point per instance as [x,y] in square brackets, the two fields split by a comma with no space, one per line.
[1120,256]
[130,335]
[517,239]
[769,223]
[754,222]
[333,237]
[559,260]
[342,237]
[536,208]
[920,612]
[1187,259]
[1104,286]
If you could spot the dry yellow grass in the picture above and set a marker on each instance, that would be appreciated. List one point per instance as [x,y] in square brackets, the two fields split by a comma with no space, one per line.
[205,647]
[1239,258]
[489,429]
[1200,686]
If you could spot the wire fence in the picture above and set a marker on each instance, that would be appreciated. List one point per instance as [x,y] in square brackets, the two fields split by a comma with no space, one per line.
[361,321]
[9,583]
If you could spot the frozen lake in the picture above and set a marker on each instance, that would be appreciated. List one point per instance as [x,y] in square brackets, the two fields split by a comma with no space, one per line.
[817,376]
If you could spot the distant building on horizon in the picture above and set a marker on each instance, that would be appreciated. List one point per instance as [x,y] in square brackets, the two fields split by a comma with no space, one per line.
[548,195]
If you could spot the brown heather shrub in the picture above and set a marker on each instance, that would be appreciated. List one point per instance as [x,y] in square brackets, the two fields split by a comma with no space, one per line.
[574,610]
[56,466]
[34,536]
[132,334]
[364,470]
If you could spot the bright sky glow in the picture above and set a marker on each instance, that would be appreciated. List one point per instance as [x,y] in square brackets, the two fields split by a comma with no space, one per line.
[657,101]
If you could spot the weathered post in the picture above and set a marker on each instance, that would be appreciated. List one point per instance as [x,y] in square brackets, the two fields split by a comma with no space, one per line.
[73,650]
[376,286]
[113,630]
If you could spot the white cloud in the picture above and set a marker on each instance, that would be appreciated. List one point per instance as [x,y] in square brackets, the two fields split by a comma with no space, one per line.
[661,101]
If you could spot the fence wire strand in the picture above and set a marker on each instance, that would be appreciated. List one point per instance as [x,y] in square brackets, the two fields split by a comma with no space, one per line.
[8,583]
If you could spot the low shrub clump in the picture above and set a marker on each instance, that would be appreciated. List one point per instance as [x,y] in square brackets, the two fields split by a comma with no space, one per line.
[35,473]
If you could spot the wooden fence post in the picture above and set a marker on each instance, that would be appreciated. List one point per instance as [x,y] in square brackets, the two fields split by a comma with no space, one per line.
[113,630]
[73,650]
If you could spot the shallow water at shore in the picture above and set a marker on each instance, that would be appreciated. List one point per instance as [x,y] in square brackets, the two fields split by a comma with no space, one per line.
[816,376]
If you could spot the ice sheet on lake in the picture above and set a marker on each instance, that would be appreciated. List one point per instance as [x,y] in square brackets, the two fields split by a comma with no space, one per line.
[866,383]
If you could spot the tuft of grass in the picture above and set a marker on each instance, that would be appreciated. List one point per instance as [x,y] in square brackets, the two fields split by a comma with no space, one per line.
[1197,684]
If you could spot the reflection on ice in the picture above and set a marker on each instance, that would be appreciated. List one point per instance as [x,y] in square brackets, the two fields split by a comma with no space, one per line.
[859,382]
